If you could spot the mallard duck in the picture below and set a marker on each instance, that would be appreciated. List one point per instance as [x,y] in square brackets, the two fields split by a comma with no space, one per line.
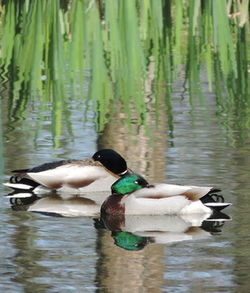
[133,195]
[93,174]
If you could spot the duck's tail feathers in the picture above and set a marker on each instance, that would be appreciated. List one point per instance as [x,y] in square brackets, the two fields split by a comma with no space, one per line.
[217,206]
[214,190]
[214,201]
[21,183]
[19,186]
[212,196]
[20,171]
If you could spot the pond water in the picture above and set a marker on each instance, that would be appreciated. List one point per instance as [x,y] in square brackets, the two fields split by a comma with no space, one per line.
[166,84]
[46,252]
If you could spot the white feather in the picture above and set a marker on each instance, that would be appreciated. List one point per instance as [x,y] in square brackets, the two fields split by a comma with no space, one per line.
[66,174]
[100,185]
[18,186]
[149,206]
[20,195]
[196,207]
[171,190]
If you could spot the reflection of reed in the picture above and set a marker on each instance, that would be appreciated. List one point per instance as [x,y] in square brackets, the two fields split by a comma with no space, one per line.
[119,270]
[28,255]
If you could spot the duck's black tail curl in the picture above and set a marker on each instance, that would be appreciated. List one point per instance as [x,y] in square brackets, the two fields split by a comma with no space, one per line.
[212,196]
[214,201]
[22,180]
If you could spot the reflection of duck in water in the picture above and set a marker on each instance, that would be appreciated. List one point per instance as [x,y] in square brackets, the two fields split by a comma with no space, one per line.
[55,205]
[129,241]
[138,213]
[93,174]
[135,232]
[132,195]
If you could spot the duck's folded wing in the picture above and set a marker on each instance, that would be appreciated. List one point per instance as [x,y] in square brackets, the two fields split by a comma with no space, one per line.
[162,190]
[72,175]
[155,205]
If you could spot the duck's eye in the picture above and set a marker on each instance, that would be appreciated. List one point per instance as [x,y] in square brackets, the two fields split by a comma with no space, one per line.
[140,182]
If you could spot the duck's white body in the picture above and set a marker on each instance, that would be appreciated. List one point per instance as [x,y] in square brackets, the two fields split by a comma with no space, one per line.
[170,199]
[172,205]
[71,176]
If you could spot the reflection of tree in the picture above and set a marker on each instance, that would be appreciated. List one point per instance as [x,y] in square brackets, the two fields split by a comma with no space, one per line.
[239,171]
[144,152]
[120,270]
[28,255]
[144,146]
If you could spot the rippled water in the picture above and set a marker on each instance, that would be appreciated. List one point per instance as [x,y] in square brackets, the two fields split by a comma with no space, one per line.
[51,253]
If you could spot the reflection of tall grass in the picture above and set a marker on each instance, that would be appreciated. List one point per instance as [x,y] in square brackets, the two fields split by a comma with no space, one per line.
[49,48]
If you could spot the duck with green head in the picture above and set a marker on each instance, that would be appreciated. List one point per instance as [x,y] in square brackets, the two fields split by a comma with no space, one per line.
[133,195]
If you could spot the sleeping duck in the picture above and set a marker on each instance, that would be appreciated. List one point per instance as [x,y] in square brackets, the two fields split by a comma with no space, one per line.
[75,176]
[132,195]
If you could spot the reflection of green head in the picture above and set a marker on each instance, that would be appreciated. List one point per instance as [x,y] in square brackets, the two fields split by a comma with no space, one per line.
[129,241]
[128,183]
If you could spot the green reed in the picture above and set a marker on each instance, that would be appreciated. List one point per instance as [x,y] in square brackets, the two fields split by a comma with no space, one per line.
[102,52]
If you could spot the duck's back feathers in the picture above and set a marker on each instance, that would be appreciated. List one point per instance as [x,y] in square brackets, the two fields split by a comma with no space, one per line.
[162,190]
[55,164]
[23,177]
[42,167]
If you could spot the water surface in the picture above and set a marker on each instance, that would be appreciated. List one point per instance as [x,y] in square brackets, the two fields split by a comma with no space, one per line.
[173,100]
[47,253]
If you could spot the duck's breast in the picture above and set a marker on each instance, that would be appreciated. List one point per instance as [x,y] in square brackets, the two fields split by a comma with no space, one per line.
[113,205]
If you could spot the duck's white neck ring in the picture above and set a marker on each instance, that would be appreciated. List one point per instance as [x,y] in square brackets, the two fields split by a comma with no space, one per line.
[123,173]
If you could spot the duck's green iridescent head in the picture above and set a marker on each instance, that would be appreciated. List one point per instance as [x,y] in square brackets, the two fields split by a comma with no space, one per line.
[128,184]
